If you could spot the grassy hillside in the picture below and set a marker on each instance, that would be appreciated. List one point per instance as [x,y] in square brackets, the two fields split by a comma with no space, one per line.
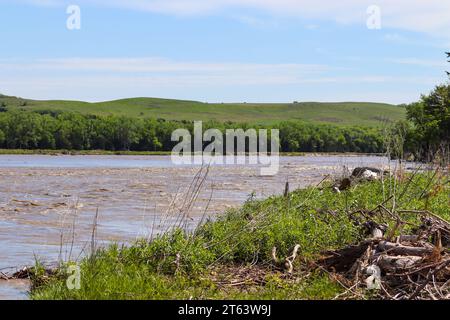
[345,113]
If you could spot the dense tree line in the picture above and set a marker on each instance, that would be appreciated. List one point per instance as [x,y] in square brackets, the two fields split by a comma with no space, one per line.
[301,137]
[73,131]
[426,133]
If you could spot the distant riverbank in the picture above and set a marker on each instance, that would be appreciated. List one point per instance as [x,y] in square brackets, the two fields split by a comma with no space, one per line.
[154,153]
[81,152]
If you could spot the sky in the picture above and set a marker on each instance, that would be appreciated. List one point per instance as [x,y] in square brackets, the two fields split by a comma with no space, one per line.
[224,50]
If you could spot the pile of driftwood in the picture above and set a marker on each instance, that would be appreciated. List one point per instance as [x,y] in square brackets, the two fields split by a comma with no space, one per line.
[21,274]
[398,259]
[393,264]
[27,273]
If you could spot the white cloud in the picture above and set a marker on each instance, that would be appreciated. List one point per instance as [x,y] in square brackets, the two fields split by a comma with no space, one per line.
[256,22]
[156,74]
[402,40]
[167,71]
[428,16]
[421,62]
[157,65]
[96,79]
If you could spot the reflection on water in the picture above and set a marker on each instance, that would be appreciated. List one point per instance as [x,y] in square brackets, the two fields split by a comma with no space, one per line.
[43,197]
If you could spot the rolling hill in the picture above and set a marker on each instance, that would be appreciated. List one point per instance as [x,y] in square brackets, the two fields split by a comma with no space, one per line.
[342,113]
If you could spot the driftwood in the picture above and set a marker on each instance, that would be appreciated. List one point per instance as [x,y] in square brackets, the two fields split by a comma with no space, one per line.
[397,263]
[358,175]
[408,238]
[342,260]
[402,250]
[288,262]
[408,266]
[26,273]
[359,172]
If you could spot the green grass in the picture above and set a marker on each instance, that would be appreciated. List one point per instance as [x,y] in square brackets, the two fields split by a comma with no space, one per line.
[315,218]
[345,113]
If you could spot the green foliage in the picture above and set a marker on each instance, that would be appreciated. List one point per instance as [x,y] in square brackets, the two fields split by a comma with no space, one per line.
[301,137]
[431,118]
[252,232]
[171,253]
[75,131]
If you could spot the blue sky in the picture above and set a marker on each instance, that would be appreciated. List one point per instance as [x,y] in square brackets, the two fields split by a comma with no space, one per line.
[224,50]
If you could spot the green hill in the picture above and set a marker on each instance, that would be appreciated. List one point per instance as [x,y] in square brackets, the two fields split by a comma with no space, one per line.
[343,113]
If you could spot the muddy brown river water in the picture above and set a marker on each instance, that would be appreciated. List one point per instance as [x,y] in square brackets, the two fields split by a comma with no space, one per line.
[48,203]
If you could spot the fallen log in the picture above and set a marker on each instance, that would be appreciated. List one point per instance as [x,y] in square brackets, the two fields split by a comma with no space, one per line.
[408,238]
[397,263]
[402,250]
[342,260]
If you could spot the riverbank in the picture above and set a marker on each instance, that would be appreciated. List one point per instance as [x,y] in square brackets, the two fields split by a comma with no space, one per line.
[155,153]
[233,257]
[81,152]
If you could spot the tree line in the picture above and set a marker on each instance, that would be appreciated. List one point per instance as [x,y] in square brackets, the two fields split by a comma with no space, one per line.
[74,131]
[426,133]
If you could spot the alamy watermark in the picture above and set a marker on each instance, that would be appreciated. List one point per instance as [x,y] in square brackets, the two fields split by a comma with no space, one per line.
[373,282]
[235,146]
[374,17]
[73,281]
[73,21]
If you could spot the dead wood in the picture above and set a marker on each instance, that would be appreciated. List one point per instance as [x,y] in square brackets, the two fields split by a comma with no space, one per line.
[343,259]
[405,266]
[402,250]
[288,262]
[26,273]
[394,264]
